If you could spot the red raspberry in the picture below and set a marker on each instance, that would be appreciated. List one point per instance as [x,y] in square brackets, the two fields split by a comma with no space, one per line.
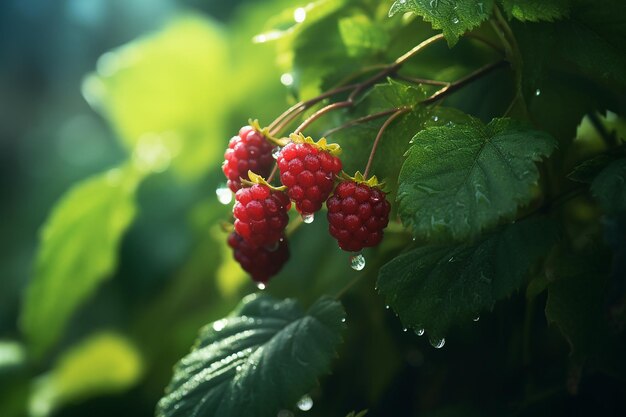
[357,215]
[261,263]
[261,214]
[250,150]
[308,171]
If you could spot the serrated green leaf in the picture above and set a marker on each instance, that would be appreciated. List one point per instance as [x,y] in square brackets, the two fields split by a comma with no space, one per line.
[357,141]
[587,170]
[458,180]
[77,250]
[536,10]
[436,287]
[262,357]
[453,17]
[103,364]
[361,36]
[609,187]
[168,85]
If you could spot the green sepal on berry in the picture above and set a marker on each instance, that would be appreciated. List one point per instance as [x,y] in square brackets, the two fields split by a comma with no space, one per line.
[257,179]
[322,144]
[360,179]
[265,132]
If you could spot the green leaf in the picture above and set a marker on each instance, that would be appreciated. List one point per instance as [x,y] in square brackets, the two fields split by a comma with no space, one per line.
[168,86]
[586,171]
[609,187]
[105,363]
[536,10]
[262,357]
[357,141]
[361,36]
[453,17]
[458,180]
[434,287]
[77,250]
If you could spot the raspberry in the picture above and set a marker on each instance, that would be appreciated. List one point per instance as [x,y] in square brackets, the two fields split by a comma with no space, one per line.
[261,213]
[308,170]
[261,263]
[250,150]
[357,214]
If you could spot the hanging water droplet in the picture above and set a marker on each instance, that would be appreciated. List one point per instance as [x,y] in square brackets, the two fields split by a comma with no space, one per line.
[476,318]
[386,307]
[308,217]
[455,20]
[537,92]
[419,332]
[437,343]
[224,195]
[357,262]
[260,286]
[276,152]
[305,403]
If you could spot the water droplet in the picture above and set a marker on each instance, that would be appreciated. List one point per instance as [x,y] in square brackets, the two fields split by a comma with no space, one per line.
[286,79]
[537,92]
[260,286]
[437,343]
[435,118]
[224,195]
[419,332]
[276,152]
[455,20]
[219,325]
[299,15]
[476,318]
[308,217]
[357,262]
[238,368]
[405,330]
[305,403]
[386,307]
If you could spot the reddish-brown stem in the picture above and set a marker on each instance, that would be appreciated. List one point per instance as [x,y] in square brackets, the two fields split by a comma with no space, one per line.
[363,119]
[382,129]
[452,87]
[291,113]
[274,171]
[422,81]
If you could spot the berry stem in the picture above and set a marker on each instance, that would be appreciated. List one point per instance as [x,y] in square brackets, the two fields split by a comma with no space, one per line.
[457,85]
[363,119]
[382,129]
[290,114]
[274,171]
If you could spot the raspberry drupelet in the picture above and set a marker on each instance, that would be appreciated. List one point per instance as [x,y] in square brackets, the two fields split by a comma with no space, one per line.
[308,170]
[358,212]
[260,212]
[250,150]
[261,263]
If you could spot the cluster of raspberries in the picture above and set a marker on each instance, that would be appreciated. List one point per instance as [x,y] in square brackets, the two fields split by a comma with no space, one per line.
[358,210]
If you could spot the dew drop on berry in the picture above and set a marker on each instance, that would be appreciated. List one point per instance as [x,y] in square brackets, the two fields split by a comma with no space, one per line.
[357,262]
[224,195]
[276,152]
[437,343]
[308,217]
[260,286]
[420,332]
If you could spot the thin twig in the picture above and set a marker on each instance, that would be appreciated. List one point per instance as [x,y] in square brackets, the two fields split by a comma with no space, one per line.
[424,81]
[382,129]
[360,120]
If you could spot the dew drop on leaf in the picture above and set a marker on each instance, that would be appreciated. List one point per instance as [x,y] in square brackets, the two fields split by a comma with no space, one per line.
[437,343]
[476,318]
[419,332]
[224,195]
[357,262]
[305,403]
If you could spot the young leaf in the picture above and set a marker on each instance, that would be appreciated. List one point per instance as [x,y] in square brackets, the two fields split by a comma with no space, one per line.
[361,36]
[453,17]
[103,364]
[77,250]
[458,180]
[609,187]
[435,287]
[262,357]
[536,10]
